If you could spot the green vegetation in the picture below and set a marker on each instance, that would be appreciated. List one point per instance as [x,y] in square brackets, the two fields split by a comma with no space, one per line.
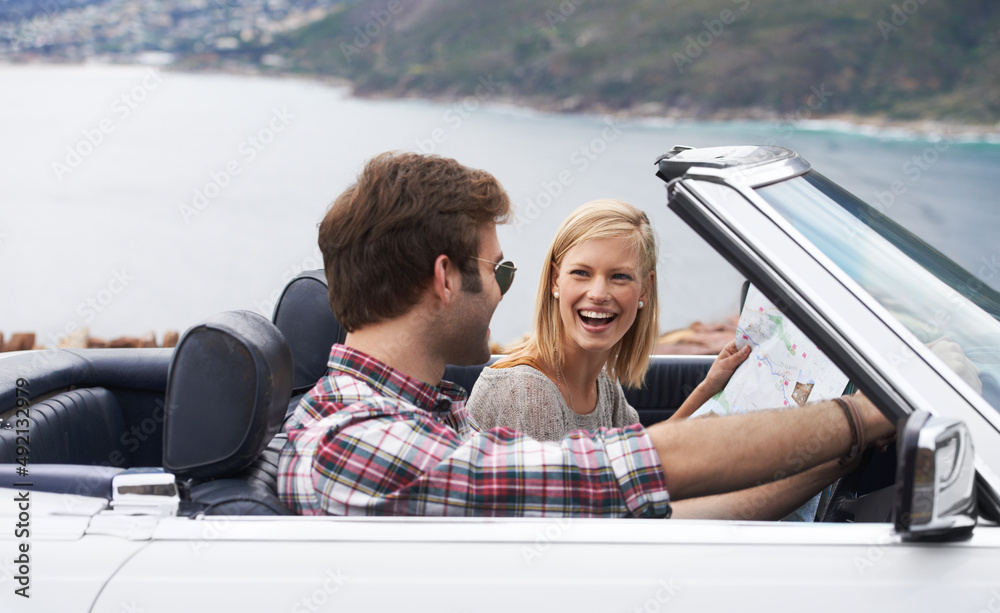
[911,59]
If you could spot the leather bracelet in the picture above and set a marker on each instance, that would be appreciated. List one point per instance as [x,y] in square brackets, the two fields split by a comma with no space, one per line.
[862,439]
[857,431]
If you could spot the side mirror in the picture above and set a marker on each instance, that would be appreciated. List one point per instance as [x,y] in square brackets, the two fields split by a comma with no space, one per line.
[935,479]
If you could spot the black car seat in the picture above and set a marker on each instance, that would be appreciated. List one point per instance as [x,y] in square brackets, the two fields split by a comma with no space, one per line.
[227,392]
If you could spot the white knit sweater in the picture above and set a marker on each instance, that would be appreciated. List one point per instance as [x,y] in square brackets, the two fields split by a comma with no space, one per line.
[523,398]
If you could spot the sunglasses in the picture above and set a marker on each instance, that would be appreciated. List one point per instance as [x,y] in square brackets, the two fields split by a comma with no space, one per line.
[504,273]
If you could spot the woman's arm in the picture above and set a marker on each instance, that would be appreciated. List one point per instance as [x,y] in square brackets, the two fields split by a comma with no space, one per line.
[718,376]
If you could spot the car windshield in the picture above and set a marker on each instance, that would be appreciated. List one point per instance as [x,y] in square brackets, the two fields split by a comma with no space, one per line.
[931,295]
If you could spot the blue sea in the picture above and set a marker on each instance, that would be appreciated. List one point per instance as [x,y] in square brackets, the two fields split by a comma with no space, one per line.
[135,199]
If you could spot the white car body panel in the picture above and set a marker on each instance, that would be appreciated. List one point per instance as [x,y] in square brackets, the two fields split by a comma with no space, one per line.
[393,564]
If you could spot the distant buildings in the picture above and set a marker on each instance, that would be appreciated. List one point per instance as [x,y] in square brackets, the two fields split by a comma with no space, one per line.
[152,31]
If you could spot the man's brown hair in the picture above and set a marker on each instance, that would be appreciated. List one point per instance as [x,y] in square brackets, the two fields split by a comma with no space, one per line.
[381,236]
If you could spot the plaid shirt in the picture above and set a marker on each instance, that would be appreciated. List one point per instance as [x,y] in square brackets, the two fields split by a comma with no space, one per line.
[370,440]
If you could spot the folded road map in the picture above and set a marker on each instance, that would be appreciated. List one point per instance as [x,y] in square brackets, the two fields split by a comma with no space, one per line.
[784,369]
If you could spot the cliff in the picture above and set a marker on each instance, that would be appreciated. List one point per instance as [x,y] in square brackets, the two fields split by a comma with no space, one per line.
[908,60]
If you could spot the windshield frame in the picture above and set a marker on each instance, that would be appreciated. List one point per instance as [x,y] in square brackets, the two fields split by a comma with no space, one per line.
[859,335]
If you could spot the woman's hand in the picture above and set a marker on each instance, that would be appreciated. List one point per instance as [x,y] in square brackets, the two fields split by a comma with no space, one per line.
[723,367]
[718,376]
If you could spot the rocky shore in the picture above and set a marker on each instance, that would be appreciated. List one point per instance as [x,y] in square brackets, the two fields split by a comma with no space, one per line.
[870,125]
[81,339]
[698,339]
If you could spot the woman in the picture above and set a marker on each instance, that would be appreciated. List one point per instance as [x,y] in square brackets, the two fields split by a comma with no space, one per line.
[595,326]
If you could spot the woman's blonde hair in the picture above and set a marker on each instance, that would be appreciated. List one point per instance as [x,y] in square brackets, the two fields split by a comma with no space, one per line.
[594,220]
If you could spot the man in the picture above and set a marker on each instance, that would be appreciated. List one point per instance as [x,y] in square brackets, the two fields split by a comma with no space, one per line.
[415,272]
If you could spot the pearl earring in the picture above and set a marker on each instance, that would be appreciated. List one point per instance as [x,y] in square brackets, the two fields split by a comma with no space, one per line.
[641,304]
[555,295]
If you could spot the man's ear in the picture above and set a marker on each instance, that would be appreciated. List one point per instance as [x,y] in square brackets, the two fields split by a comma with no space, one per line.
[447,280]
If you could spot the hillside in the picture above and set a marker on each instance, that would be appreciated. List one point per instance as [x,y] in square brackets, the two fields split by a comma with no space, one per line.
[914,59]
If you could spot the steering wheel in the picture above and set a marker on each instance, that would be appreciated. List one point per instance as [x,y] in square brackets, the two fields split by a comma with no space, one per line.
[850,497]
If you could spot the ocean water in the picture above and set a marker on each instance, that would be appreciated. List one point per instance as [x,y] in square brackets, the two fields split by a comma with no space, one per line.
[133,199]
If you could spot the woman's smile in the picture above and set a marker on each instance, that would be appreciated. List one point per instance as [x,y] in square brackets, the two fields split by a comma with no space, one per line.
[597,321]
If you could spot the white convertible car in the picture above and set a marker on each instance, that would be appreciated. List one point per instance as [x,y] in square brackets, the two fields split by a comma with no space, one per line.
[142,480]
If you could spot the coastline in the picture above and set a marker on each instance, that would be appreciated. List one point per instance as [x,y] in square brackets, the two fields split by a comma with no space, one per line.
[876,126]
[658,114]
[81,339]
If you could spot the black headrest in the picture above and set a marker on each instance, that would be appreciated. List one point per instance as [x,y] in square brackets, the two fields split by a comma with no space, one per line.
[303,315]
[227,391]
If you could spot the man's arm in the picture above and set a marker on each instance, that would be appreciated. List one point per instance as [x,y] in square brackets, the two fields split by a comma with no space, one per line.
[770,501]
[702,457]
[374,458]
